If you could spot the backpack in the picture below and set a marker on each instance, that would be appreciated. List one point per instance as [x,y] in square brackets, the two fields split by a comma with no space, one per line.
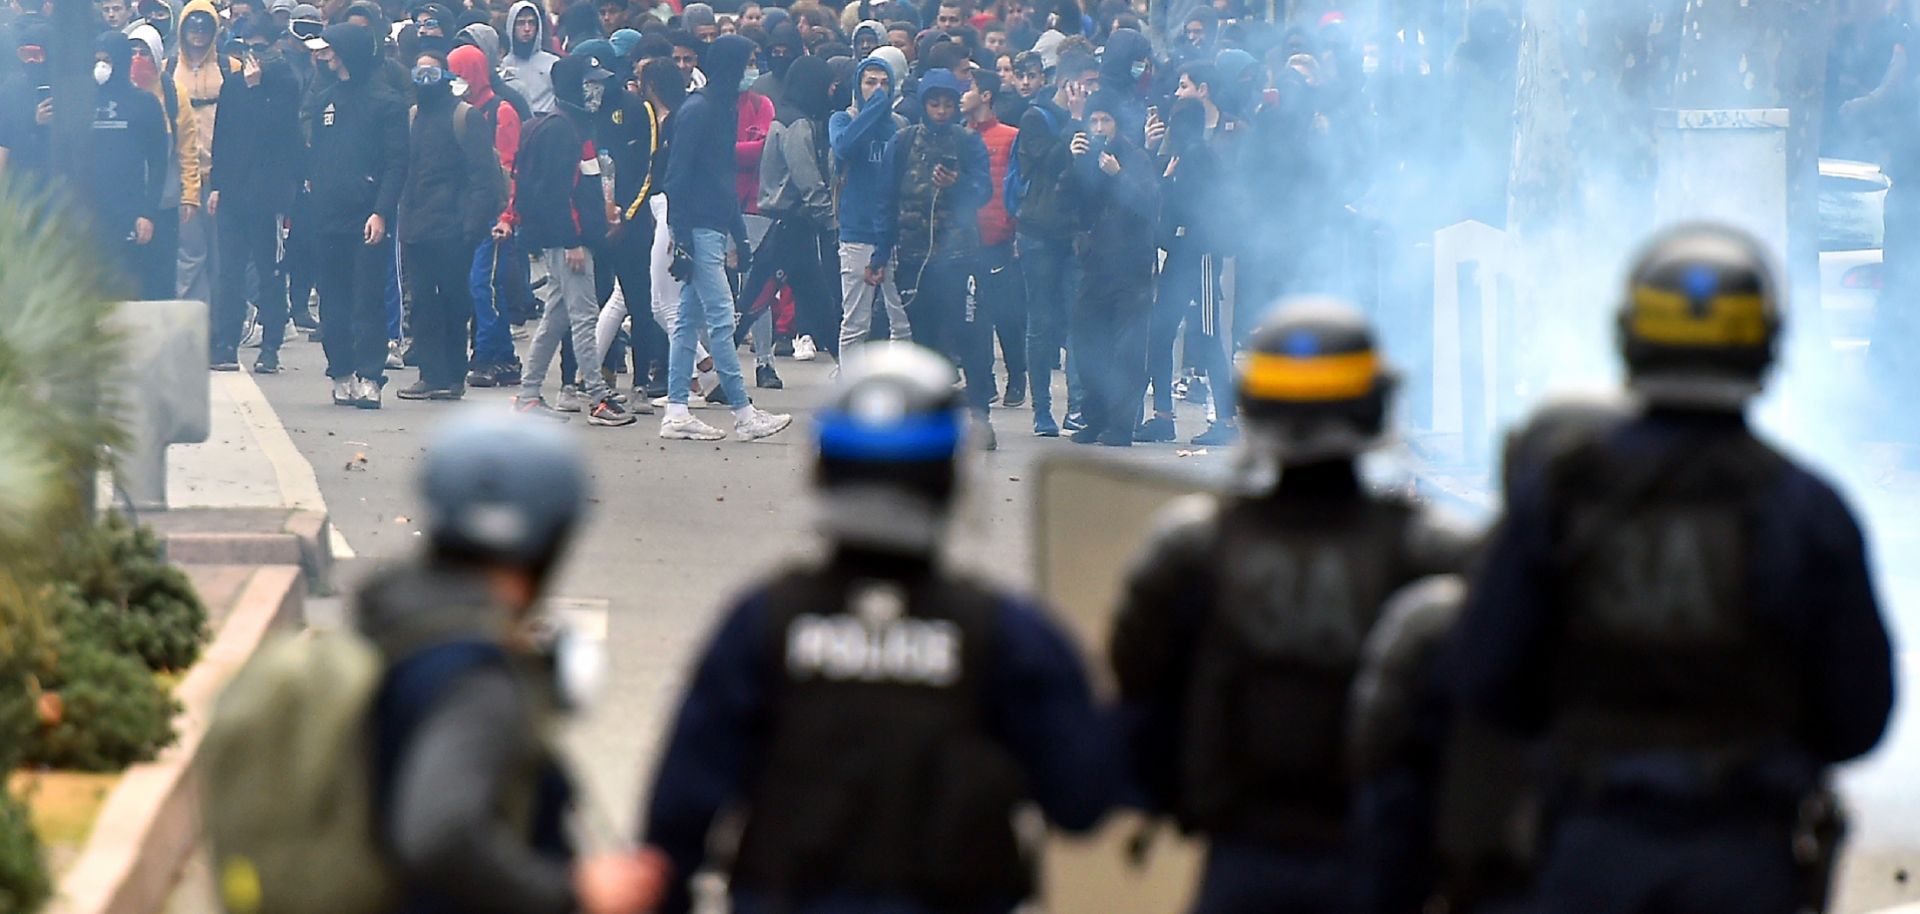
[1017,184]
[289,769]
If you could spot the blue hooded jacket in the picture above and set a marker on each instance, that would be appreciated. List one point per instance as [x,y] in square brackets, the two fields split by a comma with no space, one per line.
[859,138]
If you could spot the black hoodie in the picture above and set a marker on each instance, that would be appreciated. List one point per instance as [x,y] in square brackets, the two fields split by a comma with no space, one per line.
[453,190]
[700,161]
[357,137]
[254,139]
[129,146]
[25,141]
[773,76]
[552,205]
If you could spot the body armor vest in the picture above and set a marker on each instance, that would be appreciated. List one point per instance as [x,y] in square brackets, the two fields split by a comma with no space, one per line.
[1298,588]
[880,775]
[1662,651]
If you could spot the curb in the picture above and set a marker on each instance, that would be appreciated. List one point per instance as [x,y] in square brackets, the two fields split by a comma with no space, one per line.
[151,821]
[250,536]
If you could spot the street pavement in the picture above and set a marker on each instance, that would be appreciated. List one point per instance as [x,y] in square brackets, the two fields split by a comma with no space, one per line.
[677,528]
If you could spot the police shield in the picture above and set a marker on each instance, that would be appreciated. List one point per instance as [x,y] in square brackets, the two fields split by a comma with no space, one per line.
[1091,517]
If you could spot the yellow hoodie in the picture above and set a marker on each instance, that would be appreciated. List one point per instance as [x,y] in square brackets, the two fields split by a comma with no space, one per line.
[201,80]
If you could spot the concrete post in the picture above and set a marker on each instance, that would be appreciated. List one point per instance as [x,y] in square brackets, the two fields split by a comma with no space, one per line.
[167,401]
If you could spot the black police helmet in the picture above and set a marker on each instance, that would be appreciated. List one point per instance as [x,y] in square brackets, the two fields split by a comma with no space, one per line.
[1701,318]
[1313,385]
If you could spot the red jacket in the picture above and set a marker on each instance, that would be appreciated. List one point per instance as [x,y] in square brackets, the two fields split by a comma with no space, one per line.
[995,225]
[756,119]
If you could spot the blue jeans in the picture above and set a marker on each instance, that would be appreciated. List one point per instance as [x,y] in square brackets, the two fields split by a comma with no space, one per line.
[492,265]
[1052,275]
[706,303]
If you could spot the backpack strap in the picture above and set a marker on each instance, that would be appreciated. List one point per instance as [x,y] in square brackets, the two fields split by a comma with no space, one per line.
[411,688]
[461,111]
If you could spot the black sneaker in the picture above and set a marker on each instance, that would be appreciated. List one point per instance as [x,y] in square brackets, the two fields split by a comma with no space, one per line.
[455,392]
[304,320]
[267,363]
[507,375]
[1016,393]
[1196,391]
[783,348]
[765,378]
[1074,422]
[1217,434]
[1085,435]
[1158,428]
[418,390]
[225,363]
[483,376]
[608,413]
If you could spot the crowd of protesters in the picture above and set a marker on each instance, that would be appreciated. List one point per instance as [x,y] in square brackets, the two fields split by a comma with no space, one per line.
[1112,194]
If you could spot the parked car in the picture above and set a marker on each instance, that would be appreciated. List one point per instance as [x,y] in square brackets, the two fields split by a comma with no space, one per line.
[1853,205]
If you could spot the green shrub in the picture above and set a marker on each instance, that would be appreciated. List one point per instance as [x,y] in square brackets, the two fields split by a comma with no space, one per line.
[117,586]
[24,885]
[113,712]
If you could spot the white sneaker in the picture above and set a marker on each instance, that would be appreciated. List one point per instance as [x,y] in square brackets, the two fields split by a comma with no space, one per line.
[761,424]
[571,400]
[804,350]
[688,428]
[394,358]
[343,391]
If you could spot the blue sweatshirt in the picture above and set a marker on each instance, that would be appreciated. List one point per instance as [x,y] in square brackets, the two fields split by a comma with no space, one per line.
[700,173]
[859,144]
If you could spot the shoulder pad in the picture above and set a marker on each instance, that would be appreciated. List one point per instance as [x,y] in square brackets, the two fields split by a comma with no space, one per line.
[1440,541]
[1399,651]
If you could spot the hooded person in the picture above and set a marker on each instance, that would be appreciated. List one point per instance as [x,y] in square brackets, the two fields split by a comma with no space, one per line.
[482,36]
[699,19]
[23,139]
[783,48]
[248,190]
[528,65]
[1113,186]
[841,69]
[867,37]
[559,210]
[1126,67]
[494,362]
[858,138]
[357,165]
[796,192]
[129,151]
[938,176]
[703,210]
[578,24]
[1197,35]
[201,68]
[159,271]
[453,194]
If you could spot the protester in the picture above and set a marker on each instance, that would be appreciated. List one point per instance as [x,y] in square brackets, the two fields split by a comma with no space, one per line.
[496,275]
[1112,186]
[357,164]
[560,214]
[250,188]
[129,148]
[797,194]
[528,66]
[201,69]
[160,262]
[859,137]
[1001,290]
[1045,232]
[453,194]
[703,213]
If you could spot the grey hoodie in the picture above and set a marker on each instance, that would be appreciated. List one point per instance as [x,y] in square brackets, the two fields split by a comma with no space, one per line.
[488,41]
[530,70]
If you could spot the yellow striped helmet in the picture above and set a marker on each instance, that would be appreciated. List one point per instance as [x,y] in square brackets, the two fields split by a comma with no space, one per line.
[1312,385]
[1701,317]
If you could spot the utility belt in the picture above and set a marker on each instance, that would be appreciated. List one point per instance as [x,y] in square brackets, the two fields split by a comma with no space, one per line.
[1689,789]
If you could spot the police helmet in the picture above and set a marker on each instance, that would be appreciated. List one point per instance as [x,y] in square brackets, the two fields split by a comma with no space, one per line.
[502,488]
[888,445]
[1700,319]
[1313,385]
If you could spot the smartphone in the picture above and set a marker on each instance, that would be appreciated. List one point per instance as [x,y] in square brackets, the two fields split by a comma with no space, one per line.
[1095,146]
[1153,112]
[43,93]
[950,163]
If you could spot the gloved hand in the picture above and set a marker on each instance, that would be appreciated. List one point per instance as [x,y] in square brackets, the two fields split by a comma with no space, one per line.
[681,269]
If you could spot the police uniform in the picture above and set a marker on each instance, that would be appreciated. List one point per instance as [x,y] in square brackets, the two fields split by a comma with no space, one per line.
[1242,625]
[1683,615]
[877,720]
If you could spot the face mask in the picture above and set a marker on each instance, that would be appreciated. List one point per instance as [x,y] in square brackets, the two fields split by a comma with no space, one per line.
[591,95]
[748,78]
[459,86]
[143,72]
[425,75]
[102,71]
[163,26]
[1139,69]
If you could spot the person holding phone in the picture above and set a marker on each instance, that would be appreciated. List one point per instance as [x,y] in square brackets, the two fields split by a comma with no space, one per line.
[26,103]
[939,176]
[1113,186]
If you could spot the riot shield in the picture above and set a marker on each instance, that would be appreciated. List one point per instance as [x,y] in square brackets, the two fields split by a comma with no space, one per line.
[1091,517]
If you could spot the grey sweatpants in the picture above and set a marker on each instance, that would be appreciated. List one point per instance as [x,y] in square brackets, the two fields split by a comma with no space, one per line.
[571,305]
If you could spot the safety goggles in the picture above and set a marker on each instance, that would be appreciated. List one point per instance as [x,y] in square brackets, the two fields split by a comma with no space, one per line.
[32,54]
[427,75]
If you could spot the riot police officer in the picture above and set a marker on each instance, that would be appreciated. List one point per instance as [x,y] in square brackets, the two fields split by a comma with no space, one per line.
[1242,625]
[875,717]
[1683,615]
[1447,804]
